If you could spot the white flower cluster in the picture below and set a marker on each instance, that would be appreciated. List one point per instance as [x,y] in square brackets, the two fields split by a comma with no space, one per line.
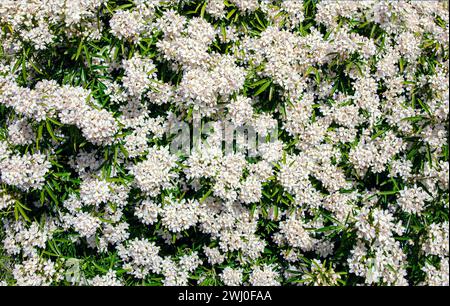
[36,22]
[72,105]
[35,271]
[140,257]
[109,279]
[237,142]
[155,173]
[25,172]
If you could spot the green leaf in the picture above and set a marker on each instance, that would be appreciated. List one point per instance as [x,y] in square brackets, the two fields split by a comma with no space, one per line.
[424,107]
[80,47]
[51,194]
[205,196]
[19,209]
[231,13]
[202,12]
[50,131]
[263,87]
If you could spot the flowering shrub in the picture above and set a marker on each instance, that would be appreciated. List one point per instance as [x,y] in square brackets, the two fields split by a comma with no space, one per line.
[224,142]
